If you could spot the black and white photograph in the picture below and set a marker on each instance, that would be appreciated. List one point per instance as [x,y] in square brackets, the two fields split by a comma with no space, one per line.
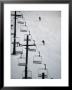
[35,44]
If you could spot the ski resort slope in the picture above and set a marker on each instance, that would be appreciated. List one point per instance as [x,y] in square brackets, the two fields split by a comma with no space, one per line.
[43,25]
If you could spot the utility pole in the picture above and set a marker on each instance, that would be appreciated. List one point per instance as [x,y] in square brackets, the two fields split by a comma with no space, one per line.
[14,44]
[14,48]
[43,76]
[26,57]
[27,47]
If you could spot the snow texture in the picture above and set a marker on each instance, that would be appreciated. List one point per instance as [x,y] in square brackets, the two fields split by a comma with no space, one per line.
[43,25]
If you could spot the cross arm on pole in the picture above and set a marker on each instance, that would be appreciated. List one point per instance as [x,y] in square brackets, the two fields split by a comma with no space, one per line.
[26,45]
[16,15]
[31,45]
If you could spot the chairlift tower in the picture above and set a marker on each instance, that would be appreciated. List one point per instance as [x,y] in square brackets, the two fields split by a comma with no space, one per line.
[27,46]
[14,44]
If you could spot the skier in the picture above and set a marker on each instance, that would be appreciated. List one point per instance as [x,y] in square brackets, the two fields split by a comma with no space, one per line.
[39,18]
[43,42]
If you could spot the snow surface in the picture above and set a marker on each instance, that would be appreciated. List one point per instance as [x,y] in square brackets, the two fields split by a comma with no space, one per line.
[47,29]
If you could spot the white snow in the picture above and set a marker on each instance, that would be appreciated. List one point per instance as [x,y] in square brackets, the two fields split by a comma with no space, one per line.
[49,30]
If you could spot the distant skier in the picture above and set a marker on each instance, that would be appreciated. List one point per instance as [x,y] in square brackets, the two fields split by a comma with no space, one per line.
[39,18]
[43,42]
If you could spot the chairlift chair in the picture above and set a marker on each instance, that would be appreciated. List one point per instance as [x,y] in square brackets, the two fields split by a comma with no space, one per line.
[21,61]
[37,59]
[23,28]
[32,42]
[17,42]
[43,71]
[12,33]
[19,50]
[20,22]
[20,14]
[11,26]
[32,49]
[25,37]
